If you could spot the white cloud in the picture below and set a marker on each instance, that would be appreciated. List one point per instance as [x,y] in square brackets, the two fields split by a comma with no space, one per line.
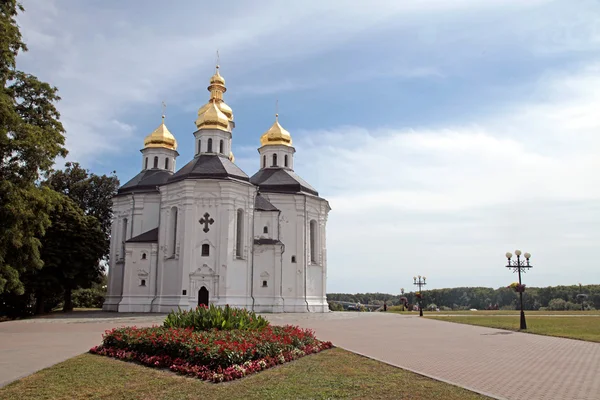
[448,203]
[110,61]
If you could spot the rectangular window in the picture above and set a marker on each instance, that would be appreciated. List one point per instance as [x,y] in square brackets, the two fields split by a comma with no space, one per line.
[264,284]
[143,282]
[205,250]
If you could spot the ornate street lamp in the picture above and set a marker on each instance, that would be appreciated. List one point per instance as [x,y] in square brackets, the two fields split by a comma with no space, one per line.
[519,265]
[419,282]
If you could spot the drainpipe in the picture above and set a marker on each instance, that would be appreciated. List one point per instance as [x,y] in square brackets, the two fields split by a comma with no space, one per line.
[281,265]
[306,260]
[252,249]
[157,254]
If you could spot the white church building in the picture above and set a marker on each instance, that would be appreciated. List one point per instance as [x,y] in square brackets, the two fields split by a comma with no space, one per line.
[210,234]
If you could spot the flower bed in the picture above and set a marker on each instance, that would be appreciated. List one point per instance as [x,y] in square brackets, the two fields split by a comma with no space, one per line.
[214,355]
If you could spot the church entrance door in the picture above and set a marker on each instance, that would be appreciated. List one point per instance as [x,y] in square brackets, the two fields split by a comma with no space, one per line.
[203,296]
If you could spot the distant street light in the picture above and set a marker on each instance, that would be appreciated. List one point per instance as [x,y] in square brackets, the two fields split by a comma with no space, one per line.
[519,265]
[419,283]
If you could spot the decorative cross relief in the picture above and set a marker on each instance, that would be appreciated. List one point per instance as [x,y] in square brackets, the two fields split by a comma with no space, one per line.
[206,220]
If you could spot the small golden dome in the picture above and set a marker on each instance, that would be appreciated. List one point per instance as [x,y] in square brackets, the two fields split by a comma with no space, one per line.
[276,135]
[231,156]
[217,79]
[212,118]
[161,137]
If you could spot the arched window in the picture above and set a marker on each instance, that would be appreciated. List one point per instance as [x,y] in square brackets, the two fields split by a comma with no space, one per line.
[143,282]
[274,160]
[264,161]
[123,238]
[143,256]
[266,229]
[293,259]
[167,163]
[199,146]
[146,163]
[285,163]
[155,162]
[239,237]
[205,250]
[174,218]
[209,147]
[221,147]
[313,241]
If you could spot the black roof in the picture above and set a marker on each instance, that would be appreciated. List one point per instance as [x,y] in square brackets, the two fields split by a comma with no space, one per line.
[281,180]
[263,204]
[150,236]
[209,167]
[145,181]
[267,241]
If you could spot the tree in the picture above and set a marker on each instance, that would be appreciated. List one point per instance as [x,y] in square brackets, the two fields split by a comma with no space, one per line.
[92,193]
[31,137]
[72,249]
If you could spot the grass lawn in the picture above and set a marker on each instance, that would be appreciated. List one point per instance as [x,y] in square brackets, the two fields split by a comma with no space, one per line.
[333,373]
[584,327]
[511,312]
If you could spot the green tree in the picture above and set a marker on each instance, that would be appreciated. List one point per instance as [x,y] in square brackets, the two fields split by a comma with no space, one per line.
[92,193]
[31,137]
[72,249]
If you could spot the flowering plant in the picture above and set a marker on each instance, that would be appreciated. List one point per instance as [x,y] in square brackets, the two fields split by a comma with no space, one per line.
[517,287]
[418,295]
[215,355]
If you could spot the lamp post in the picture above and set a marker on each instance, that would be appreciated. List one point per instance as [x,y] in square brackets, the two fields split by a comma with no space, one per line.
[519,265]
[419,282]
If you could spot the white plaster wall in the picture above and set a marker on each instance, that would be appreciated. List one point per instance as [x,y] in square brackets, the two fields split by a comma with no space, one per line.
[138,298]
[162,154]
[281,151]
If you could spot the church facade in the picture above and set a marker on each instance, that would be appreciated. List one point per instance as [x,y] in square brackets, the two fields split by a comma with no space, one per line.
[210,234]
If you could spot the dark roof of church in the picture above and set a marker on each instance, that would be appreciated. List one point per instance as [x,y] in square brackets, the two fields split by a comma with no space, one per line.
[267,241]
[263,204]
[280,180]
[150,236]
[209,167]
[145,181]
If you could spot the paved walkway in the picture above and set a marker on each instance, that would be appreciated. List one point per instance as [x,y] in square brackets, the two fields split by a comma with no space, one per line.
[501,364]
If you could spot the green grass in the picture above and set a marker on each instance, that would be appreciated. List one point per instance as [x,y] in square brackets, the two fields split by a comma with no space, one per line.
[498,312]
[331,374]
[513,312]
[583,328]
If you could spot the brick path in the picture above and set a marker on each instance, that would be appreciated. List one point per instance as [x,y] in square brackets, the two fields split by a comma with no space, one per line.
[501,364]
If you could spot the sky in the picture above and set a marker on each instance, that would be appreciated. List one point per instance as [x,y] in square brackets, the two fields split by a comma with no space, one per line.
[443,134]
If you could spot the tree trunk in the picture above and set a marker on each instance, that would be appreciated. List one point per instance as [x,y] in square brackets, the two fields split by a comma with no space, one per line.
[68,305]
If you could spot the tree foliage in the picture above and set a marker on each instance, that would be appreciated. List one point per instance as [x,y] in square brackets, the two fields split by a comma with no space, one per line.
[92,193]
[481,298]
[31,137]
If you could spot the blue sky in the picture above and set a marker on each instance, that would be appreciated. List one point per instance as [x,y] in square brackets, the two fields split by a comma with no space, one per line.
[443,133]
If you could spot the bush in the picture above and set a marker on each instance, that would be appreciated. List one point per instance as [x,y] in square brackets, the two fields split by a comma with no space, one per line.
[397,308]
[88,298]
[205,318]
[335,306]
[215,355]
[557,305]
[445,308]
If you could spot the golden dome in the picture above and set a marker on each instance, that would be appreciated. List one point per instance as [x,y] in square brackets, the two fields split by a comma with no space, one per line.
[231,156]
[276,135]
[212,118]
[161,137]
[217,79]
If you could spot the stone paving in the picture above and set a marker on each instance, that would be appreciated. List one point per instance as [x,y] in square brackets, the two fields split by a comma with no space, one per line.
[500,364]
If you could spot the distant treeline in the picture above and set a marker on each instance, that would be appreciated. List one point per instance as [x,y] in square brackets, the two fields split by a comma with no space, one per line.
[481,298]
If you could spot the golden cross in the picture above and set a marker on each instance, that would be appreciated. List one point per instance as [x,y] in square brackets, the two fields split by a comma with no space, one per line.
[217,58]
[164,108]
[276,108]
